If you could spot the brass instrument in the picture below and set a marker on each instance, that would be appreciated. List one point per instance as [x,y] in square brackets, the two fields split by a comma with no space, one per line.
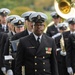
[62,44]
[63,51]
[64,8]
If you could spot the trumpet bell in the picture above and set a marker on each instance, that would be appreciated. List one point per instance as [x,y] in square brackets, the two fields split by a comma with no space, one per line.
[64,11]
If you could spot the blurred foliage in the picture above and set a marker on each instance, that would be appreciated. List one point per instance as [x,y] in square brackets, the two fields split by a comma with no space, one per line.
[49,17]
[34,4]
[43,4]
[20,6]
[20,10]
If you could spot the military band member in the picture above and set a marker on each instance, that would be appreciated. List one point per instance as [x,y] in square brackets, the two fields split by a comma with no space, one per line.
[61,53]
[62,28]
[53,29]
[19,24]
[28,24]
[4,12]
[65,39]
[6,35]
[70,48]
[0,55]
[11,30]
[37,50]
[3,27]
[66,34]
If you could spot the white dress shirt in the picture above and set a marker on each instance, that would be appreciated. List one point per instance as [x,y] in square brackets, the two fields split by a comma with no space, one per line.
[36,37]
[29,32]
[4,27]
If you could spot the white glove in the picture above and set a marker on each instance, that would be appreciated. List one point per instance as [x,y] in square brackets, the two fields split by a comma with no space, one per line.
[9,72]
[63,53]
[70,70]
[56,35]
[3,69]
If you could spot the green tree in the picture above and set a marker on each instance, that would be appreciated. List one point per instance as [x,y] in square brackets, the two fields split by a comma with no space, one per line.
[20,10]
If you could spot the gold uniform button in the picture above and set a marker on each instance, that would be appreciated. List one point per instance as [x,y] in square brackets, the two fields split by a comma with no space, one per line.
[35,63]
[35,56]
[43,63]
[35,70]
[43,57]
[44,70]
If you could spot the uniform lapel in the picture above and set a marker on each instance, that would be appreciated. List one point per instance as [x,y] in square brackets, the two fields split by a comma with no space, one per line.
[73,36]
[42,44]
[26,32]
[54,28]
[1,29]
[0,26]
[32,40]
[7,30]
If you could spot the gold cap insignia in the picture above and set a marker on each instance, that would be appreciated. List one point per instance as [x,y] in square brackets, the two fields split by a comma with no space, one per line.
[56,15]
[73,19]
[39,17]
[19,22]
[4,12]
[14,18]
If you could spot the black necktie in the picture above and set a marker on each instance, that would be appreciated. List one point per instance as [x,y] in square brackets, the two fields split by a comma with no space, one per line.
[4,28]
[38,42]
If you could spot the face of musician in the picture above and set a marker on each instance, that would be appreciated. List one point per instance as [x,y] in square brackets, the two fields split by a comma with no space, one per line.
[3,19]
[72,27]
[38,28]
[11,27]
[19,29]
[4,12]
[29,25]
[57,20]
[56,17]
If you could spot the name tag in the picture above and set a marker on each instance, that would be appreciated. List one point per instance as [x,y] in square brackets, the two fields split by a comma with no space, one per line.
[31,47]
